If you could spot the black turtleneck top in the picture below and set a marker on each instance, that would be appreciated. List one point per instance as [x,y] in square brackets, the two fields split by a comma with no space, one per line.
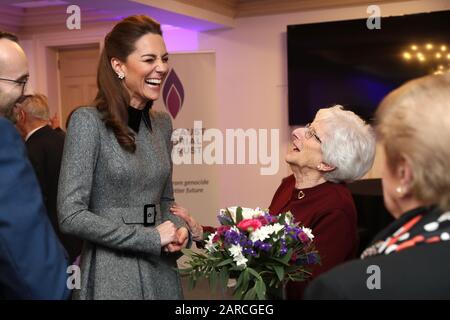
[135,116]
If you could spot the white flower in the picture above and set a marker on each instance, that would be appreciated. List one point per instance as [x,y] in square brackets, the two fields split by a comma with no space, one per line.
[247,213]
[264,232]
[277,227]
[241,261]
[238,257]
[210,246]
[236,229]
[259,212]
[308,232]
[235,250]
[288,218]
[261,234]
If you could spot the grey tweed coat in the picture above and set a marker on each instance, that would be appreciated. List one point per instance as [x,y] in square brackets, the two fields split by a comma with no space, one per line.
[101,198]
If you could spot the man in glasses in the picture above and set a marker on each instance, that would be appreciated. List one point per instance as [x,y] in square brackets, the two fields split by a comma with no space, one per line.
[32,261]
[13,74]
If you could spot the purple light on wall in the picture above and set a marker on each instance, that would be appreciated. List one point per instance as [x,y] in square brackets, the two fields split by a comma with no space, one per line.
[173,93]
[180,39]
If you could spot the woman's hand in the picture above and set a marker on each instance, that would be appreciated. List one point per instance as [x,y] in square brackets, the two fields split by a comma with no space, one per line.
[167,233]
[182,240]
[194,226]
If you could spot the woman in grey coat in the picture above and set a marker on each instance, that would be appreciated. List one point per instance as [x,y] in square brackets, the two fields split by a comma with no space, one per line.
[115,187]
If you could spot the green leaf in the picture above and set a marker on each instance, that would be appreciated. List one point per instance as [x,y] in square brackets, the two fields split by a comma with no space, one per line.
[280,272]
[238,293]
[228,213]
[245,281]
[225,262]
[239,216]
[282,218]
[240,280]
[287,257]
[186,272]
[224,276]
[251,294]
[260,289]
[273,281]
[191,284]
[281,260]
[187,252]
[213,280]
[254,273]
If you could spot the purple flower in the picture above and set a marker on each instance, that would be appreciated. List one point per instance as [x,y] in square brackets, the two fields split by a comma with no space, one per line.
[270,218]
[232,237]
[224,220]
[312,258]
[309,258]
[303,237]
[249,251]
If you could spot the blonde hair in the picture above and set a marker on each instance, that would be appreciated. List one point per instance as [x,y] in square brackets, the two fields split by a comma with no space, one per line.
[413,122]
[36,105]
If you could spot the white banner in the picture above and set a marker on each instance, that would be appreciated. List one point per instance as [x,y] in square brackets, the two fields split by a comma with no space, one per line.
[189,95]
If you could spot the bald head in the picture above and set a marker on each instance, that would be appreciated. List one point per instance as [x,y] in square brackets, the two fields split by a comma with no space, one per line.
[13,67]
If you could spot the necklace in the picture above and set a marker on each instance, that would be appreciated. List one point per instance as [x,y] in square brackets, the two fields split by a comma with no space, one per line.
[300,194]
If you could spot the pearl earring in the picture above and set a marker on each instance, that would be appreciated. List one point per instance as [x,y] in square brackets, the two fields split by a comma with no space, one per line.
[121,76]
[399,189]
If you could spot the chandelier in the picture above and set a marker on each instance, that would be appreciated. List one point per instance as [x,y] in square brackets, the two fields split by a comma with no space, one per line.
[437,57]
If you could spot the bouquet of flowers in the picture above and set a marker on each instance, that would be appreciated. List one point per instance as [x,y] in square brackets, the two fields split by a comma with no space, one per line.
[261,252]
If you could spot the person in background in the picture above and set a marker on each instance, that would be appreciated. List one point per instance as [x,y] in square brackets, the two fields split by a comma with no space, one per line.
[55,124]
[337,147]
[33,264]
[409,259]
[115,186]
[45,147]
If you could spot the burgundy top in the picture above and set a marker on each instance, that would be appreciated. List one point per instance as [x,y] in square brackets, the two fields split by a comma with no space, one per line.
[328,209]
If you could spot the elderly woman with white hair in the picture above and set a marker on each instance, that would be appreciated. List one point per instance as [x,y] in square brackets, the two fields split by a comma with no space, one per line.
[336,148]
[410,259]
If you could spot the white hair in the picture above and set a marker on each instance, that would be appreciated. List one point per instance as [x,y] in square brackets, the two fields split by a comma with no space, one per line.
[36,105]
[348,144]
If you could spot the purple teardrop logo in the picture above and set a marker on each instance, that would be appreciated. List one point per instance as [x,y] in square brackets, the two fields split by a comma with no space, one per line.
[173,93]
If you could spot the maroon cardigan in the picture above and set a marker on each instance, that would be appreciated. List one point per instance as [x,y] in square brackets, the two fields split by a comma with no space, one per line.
[328,209]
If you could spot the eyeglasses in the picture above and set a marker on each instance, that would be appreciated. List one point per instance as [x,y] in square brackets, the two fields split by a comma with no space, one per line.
[23,82]
[310,132]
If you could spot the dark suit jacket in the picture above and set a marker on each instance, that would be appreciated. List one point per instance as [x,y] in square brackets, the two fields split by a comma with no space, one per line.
[45,148]
[32,261]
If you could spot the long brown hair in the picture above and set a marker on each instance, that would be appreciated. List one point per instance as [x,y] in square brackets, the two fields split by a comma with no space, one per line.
[112,98]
